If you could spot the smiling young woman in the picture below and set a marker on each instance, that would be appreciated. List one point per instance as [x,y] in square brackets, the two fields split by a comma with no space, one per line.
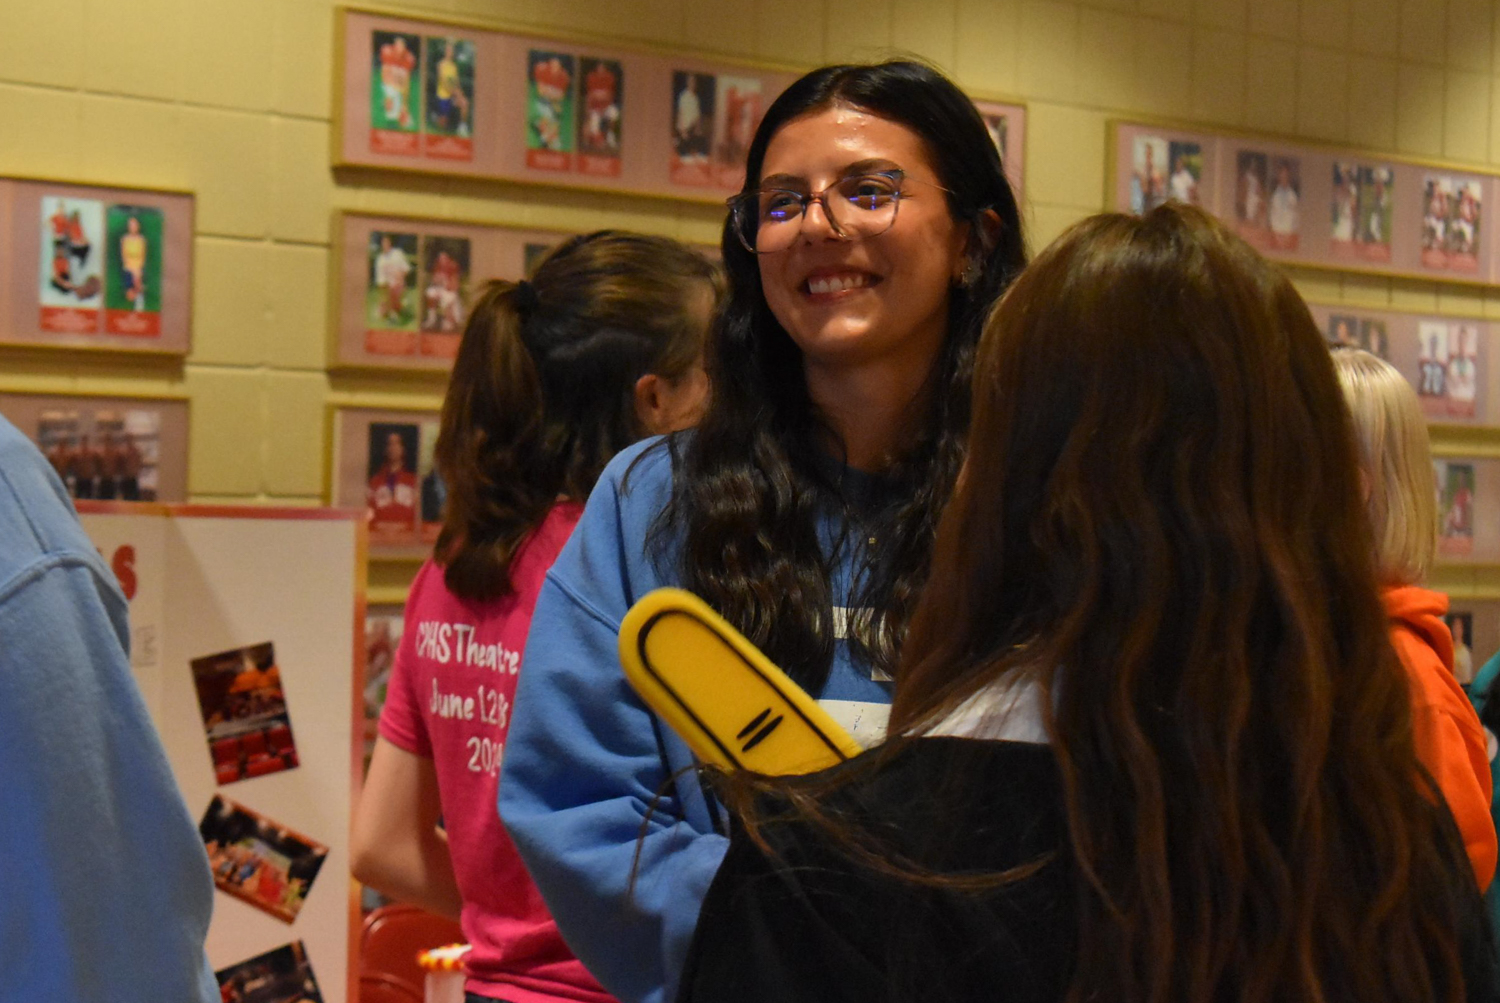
[875,232]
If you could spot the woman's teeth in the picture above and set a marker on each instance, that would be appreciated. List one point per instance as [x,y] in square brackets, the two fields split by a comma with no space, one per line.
[836,283]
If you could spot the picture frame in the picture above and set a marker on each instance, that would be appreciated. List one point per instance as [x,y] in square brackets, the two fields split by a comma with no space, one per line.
[90,266]
[382,463]
[108,448]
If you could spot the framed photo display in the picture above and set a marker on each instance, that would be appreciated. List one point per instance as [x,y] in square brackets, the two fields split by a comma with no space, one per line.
[1468,496]
[383,463]
[131,449]
[1312,205]
[406,285]
[1446,359]
[1475,624]
[84,266]
[442,98]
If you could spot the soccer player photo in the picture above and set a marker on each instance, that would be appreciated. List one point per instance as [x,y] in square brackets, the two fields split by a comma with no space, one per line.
[1450,223]
[1148,179]
[391,301]
[693,107]
[550,129]
[72,256]
[132,276]
[1373,234]
[450,99]
[391,494]
[740,111]
[1251,193]
[1284,211]
[445,294]
[600,126]
[395,118]
[1455,485]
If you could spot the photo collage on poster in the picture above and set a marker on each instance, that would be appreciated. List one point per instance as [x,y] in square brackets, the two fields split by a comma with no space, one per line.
[1362,210]
[422,95]
[1164,170]
[405,496]
[259,861]
[714,118]
[574,113]
[105,453]
[100,267]
[417,293]
[1455,502]
[283,975]
[1268,199]
[1448,368]
[1451,216]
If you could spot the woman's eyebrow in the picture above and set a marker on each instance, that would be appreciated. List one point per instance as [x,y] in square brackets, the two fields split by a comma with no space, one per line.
[797,182]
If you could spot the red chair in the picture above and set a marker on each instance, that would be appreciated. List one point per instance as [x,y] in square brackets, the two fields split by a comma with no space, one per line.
[226,773]
[279,739]
[391,939]
[226,750]
[255,744]
[260,767]
[377,988]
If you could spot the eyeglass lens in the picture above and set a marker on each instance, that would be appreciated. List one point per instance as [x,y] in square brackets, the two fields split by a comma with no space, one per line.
[857,207]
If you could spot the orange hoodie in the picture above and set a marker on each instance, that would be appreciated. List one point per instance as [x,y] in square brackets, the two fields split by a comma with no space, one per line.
[1449,738]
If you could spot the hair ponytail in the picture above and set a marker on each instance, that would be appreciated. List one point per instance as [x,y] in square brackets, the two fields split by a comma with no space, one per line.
[542,391]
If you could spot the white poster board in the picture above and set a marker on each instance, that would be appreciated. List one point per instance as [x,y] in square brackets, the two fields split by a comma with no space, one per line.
[208,582]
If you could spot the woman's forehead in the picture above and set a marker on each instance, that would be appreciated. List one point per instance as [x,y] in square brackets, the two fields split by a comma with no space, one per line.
[827,141]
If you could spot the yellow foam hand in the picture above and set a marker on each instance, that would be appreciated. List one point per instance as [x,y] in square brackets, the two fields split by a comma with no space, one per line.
[734,708]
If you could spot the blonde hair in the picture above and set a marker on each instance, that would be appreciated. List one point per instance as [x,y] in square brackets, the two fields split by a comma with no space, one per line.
[1396,459]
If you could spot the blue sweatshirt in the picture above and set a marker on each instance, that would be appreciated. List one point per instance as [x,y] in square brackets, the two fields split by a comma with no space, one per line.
[105,890]
[586,761]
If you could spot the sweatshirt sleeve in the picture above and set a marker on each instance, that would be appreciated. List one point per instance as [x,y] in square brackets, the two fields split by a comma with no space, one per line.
[618,839]
[1453,750]
[94,834]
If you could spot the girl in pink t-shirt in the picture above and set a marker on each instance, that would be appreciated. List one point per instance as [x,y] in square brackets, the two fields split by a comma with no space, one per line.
[552,378]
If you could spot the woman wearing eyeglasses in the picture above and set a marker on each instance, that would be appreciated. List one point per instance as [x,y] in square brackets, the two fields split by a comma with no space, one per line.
[875,231]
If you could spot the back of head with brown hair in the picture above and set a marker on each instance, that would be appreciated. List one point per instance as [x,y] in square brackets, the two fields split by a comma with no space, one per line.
[542,391]
[1160,521]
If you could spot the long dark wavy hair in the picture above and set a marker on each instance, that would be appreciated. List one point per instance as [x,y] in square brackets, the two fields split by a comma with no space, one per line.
[542,391]
[748,489]
[1161,524]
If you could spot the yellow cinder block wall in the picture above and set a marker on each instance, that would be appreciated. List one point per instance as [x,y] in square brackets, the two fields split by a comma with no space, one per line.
[231,99]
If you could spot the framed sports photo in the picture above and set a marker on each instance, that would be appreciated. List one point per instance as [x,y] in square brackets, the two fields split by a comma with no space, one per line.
[406,284]
[1153,166]
[85,266]
[1006,124]
[383,463]
[125,449]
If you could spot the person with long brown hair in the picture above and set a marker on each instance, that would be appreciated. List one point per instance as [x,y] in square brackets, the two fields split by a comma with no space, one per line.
[553,377]
[1150,741]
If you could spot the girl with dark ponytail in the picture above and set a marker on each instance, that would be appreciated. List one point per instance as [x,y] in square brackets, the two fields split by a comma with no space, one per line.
[553,377]
[874,233]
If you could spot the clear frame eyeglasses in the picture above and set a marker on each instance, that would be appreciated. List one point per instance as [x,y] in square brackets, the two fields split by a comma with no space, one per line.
[768,220]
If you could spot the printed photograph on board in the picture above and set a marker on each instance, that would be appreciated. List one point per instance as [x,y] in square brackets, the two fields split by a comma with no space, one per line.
[109,454]
[1462,377]
[71,284]
[383,626]
[1250,196]
[1343,331]
[258,861]
[280,976]
[445,283]
[132,283]
[450,99]
[1148,177]
[395,94]
[1461,628]
[1455,498]
[245,713]
[739,113]
[1451,210]
[693,106]
[1284,215]
[1373,240]
[1432,366]
[391,495]
[391,301]
[550,110]
[600,126]
[1374,338]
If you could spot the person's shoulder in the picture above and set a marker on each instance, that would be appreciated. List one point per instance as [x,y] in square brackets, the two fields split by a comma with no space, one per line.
[638,481]
[36,516]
